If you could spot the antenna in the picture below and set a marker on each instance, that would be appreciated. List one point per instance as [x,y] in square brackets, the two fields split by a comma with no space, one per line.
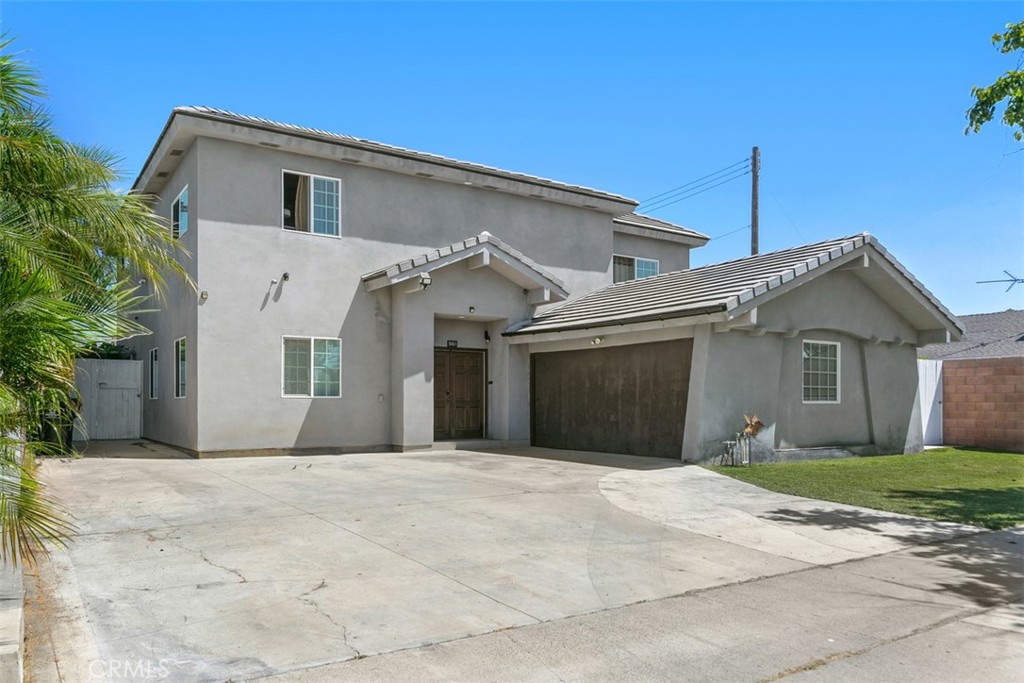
[1012,279]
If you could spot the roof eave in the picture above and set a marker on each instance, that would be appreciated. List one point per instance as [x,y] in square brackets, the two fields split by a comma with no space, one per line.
[697,314]
[476,174]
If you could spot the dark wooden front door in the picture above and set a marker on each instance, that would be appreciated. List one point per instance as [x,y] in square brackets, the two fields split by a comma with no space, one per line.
[459,382]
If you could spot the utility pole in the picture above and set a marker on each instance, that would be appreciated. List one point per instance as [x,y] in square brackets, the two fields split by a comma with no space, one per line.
[755,170]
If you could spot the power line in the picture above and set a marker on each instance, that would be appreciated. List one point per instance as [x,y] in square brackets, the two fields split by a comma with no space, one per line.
[731,232]
[786,214]
[674,189]
[738,173]
[669,201]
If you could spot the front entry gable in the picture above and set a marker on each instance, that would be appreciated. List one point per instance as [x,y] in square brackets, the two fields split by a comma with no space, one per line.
[481,251]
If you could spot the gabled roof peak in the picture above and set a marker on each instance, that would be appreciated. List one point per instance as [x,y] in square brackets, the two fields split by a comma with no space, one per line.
[510,262]
[723,289]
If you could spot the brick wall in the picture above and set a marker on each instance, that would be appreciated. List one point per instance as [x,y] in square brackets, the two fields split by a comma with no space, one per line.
[983,403]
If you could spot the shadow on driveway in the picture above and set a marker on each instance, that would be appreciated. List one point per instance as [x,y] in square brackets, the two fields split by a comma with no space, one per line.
[987,567]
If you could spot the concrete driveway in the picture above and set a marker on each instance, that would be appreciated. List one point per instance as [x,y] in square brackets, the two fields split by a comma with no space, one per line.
[291,567]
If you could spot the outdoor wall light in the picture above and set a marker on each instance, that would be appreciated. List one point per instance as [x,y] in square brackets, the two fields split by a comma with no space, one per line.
[425,280]
[472,309]
[286,277]
[204,295]
[487,337]
[596,341]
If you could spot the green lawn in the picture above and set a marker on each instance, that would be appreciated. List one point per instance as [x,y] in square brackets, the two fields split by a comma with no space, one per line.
[970,487]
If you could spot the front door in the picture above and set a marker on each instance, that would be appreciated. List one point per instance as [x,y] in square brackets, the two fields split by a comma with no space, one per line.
[459,383]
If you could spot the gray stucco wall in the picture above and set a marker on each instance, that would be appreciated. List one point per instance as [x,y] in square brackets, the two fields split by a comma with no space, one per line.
[386,374]
[763,374]
[166,418]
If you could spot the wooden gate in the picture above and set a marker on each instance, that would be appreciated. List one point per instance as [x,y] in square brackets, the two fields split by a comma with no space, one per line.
[110,392]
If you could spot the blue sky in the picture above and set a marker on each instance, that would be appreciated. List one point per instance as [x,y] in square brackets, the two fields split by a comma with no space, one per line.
[858,108]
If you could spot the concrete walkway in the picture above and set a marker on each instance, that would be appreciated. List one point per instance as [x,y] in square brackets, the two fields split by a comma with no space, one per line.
[813,531]
[530,565]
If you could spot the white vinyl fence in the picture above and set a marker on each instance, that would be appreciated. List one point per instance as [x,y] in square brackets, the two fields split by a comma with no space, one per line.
[929,377]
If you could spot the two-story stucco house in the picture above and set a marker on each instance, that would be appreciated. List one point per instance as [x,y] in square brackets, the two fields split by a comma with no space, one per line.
[356,296]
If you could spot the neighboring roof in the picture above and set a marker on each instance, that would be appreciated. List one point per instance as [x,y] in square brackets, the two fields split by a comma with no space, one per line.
[641,221]
[727,289]
[988,335]
[221,115]
[512,263]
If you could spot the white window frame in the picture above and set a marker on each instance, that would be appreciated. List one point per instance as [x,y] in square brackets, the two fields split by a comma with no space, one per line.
[839,371]
[176,231]
[311,176]
[312,368]
[178,369]
[655,261]
[154,372]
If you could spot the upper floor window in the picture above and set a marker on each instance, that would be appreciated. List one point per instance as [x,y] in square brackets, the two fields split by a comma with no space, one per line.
[311,203]
[821,372]
[632,268]
[179,214]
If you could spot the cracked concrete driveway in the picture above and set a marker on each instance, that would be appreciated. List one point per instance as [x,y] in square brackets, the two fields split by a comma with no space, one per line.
[525,565]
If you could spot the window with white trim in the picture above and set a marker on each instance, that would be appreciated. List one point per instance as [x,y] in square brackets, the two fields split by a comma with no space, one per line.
[625,268]
[179,214]
[154,373]
[820,372]
[180,367]
[311,203]
[311,366]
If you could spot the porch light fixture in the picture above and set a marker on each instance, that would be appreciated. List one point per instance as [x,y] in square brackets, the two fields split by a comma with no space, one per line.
[487,337]
[424,280]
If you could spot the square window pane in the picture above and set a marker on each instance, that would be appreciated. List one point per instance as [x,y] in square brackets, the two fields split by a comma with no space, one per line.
[296,367]
[646,268]
[325,206]
[623,269]
[326,367]
[820,372]
[295,202]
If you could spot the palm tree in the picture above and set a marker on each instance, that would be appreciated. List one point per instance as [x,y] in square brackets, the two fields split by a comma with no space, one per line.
[71,250]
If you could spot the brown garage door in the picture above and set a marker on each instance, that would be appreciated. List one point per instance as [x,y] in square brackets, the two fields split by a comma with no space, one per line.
[622,399]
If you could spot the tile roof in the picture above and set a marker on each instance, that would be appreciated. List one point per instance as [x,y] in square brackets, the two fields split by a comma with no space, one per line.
[641,221]
[392,150]
[717,288]
[396,270]
[989,335]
